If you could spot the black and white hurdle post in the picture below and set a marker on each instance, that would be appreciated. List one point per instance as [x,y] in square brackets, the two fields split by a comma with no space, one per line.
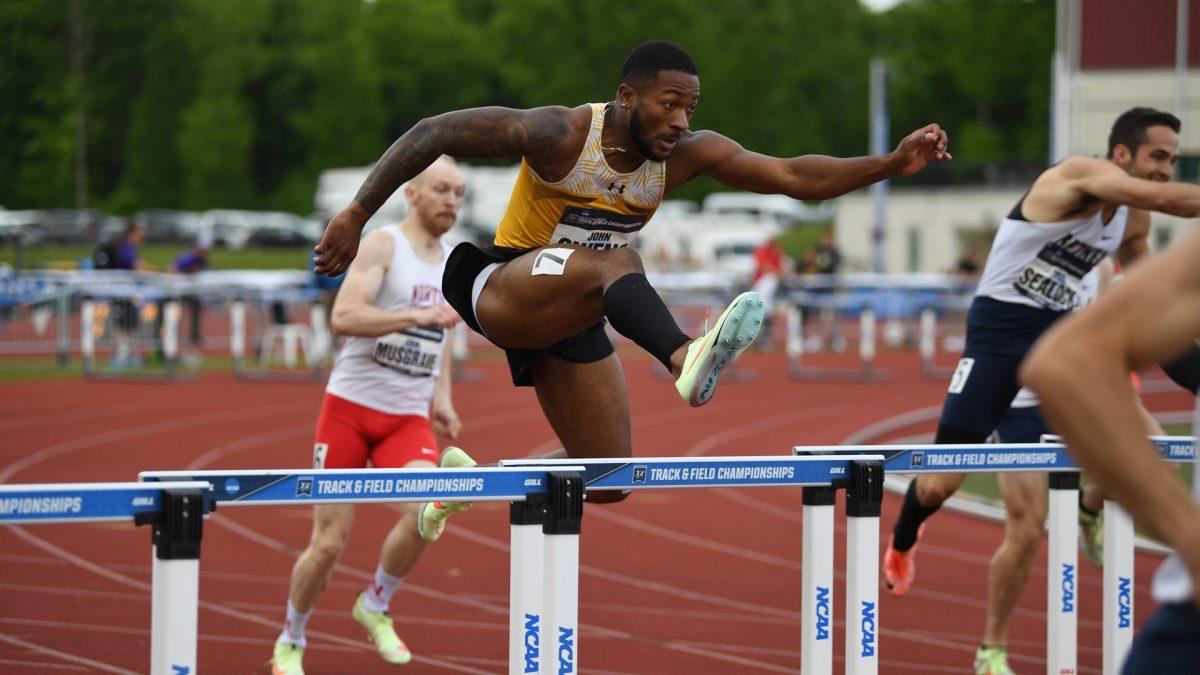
[544,581]
[864,496]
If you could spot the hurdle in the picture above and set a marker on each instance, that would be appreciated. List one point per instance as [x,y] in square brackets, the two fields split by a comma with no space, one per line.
[103,315]
[267,317]
[174,508]
[928,334]
[859,474]
[795,348]
[1062,559]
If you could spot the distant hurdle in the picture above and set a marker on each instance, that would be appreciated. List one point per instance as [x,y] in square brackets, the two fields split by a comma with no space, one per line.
[136,329]
[796,347]
[1062,560]
[931,339]
[285,326]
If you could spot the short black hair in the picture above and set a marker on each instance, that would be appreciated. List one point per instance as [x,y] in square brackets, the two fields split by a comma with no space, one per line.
[1130,128]
[648,58]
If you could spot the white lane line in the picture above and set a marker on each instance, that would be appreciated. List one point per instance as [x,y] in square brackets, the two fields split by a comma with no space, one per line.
[40,665]
[91,663]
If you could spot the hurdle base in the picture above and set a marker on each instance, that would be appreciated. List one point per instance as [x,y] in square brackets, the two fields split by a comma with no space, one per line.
[867,374]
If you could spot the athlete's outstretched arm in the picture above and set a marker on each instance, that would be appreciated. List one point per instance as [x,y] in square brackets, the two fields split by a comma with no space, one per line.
[1103,180]
[1080,370]
[353,311]
[476,133]
[815,176]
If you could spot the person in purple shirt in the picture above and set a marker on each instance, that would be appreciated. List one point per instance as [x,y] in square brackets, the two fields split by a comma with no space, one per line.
[190,262]
[128,255]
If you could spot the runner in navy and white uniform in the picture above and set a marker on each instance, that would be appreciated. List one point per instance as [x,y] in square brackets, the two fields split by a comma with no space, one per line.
[1075,214]
[390,380]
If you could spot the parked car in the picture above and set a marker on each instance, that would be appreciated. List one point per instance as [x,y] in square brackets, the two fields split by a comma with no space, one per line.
[284,229]
[238,229]
[76,226]
[778,209]
[20,225]
[169,226]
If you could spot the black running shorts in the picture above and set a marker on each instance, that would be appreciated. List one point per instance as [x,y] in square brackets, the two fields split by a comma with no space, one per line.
[465,263]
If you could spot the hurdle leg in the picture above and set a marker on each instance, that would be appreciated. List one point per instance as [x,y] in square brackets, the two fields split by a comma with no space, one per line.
[87,334]
[1062,562]
[560,586]
[816,650]
[794,341]
[928,340]
[525,584]
[1118,586]
[866,338]
[863,500]
[175,586]
[237,335]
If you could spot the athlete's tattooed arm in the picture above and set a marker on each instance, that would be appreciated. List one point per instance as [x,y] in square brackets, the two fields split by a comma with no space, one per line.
[811,176]
[477,133]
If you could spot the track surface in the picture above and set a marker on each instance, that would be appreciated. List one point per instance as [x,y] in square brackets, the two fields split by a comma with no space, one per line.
[672,582]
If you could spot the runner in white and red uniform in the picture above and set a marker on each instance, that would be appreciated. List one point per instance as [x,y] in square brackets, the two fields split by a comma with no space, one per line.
[390,381]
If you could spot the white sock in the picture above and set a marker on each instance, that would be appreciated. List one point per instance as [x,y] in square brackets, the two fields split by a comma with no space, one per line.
[293,628]
[379,593]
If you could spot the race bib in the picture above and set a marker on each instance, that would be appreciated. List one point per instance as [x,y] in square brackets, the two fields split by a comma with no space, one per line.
[596,228]
[1054,278]
[414,351]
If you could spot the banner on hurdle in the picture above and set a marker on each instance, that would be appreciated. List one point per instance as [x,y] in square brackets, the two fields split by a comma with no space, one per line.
[861,475]
[1050,457]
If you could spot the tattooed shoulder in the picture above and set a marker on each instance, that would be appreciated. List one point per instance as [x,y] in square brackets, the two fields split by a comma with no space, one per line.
[494,132]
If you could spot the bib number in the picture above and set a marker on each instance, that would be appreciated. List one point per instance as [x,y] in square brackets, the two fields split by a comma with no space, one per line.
[1051,287]
[596,228]
[414,351]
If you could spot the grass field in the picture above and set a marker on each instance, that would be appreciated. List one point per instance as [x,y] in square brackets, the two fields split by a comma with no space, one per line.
[158,256]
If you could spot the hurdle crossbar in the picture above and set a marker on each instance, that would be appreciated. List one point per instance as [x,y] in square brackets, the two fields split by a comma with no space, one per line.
[1050,457]
[175,510]
[860,474]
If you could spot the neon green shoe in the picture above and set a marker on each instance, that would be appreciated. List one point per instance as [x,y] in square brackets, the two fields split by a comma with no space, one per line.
[992,661]
[735,329]
[1091,537]
[379,629]
[288,659]
[431,518]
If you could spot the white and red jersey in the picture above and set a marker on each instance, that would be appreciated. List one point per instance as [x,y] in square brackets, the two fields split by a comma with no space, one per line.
[396,373]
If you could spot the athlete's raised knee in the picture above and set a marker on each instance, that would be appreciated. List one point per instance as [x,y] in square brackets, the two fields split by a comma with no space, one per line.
[608,266]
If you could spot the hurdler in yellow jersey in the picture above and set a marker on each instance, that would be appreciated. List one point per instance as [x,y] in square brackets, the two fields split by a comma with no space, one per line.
[591,178]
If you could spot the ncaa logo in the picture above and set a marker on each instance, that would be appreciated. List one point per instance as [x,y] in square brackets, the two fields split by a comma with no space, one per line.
[232,487]
[639,474]
[917,460]
[304,487]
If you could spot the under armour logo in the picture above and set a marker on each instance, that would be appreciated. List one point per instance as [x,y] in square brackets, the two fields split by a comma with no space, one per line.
[619,188]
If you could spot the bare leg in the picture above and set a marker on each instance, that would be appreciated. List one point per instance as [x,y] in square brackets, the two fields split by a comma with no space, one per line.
[311,573]
[935,488]
[588,407]
[1025,508]
[403,546]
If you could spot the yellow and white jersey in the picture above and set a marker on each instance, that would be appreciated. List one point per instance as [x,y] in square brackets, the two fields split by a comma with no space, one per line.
[594,205]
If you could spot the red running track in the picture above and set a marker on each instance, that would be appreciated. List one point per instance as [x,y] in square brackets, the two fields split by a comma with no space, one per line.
[672,582]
